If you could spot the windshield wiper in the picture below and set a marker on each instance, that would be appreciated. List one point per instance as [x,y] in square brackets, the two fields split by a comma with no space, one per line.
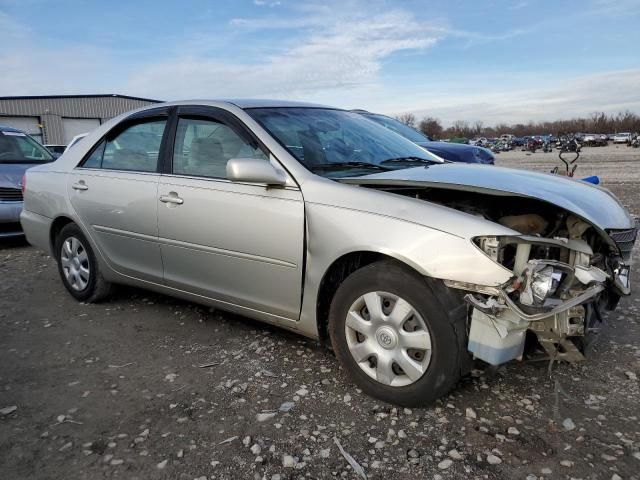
[345,165]
[407,160]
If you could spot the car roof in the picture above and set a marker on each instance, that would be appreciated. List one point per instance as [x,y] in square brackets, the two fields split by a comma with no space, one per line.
[250,103]
[266,103]
[6,128]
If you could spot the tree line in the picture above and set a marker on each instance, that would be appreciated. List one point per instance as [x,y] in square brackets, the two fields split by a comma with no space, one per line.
[597,122]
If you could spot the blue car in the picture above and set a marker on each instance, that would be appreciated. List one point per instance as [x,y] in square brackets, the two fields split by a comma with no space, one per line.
[453,152]
[18,152]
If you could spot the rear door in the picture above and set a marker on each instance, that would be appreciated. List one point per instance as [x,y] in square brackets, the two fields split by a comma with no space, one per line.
[115,190]
[241,244]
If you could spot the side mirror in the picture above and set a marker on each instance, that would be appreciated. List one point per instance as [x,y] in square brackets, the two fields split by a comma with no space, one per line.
[254,170]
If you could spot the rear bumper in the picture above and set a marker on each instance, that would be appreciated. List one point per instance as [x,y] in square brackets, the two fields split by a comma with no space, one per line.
[36,228]
[10,219]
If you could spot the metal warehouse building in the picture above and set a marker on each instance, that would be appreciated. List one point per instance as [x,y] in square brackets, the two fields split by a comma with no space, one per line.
[57,119]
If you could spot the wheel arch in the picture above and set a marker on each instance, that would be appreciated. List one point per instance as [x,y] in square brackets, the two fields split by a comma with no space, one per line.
[336,273]
[56,227]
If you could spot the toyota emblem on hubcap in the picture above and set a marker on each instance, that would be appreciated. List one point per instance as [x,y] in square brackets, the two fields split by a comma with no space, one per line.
[386,338]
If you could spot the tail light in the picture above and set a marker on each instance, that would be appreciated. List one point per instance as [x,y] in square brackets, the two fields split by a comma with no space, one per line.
[23,183]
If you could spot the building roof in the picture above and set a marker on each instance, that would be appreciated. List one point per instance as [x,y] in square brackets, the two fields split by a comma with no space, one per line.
[99,95]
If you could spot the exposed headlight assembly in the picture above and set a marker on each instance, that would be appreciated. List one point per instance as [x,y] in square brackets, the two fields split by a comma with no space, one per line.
[541,282]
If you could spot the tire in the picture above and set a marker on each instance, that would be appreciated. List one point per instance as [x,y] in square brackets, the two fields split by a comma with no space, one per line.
[434,306]
[78,267]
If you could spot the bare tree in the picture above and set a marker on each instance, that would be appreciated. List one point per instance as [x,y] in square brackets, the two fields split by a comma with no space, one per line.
[478,128]
[460,128]
[597,122]
[431,127]
[408,119]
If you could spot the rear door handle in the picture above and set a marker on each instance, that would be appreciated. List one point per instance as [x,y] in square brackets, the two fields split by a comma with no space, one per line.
[80,186]
[171,198]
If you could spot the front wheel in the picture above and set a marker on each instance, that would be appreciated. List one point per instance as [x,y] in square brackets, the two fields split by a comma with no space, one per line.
[393,336]
[78,267]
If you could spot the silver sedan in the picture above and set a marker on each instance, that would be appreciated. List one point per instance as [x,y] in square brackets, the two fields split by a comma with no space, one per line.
[325,223]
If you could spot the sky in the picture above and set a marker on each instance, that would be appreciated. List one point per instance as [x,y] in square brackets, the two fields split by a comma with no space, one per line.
[476,60]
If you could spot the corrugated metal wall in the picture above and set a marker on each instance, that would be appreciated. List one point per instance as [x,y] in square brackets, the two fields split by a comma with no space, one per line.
[50,110]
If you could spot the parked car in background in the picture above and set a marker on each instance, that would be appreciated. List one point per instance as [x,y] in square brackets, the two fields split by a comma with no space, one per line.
[461,140]
[75,140]
[622,138]
[18,152]
[56,150]
[480,142]
[594,140]
[453,152]
[331,225]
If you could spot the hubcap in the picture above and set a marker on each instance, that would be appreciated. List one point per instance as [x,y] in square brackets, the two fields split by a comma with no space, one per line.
[388,339]
[75,263]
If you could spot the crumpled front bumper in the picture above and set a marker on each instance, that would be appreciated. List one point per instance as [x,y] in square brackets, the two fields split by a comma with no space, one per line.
[501,316]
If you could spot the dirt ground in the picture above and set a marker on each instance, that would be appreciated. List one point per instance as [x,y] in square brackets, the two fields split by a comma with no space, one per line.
[147,387]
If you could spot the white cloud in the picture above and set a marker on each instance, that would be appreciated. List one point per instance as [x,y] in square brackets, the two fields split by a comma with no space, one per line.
[30,68]
[265,3]
[343,55]
[614,8]
[519,5]
[478,38]
[334,53]
[335,49]
[571,97]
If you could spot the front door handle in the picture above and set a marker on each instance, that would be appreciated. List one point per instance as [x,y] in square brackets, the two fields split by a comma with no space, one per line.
[171,198]
[80,186]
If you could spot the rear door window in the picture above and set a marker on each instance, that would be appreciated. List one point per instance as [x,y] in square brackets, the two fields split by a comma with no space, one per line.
[136,148]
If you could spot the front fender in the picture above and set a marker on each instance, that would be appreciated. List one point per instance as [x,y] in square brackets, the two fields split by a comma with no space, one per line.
[333,232]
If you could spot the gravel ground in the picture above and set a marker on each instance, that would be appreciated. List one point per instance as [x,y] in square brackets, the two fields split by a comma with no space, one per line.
[148,387]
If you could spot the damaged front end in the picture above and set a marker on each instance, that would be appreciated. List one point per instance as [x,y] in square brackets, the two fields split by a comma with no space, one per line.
[560,286]
[562,259]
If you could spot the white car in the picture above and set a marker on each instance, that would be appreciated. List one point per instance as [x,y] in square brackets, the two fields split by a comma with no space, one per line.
[622,138]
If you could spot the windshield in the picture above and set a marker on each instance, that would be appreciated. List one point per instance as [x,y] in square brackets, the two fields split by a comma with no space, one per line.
[398,127]
[338,143]
[18,147]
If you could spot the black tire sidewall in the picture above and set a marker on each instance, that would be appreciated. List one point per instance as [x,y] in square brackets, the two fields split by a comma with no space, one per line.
[72,230]
[443,371]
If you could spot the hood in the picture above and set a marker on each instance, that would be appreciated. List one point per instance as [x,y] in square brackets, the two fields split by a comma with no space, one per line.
[11,173]
[595,204]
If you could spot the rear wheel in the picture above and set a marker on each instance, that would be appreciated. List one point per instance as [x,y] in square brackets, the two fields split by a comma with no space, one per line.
[78,267]
[393,336]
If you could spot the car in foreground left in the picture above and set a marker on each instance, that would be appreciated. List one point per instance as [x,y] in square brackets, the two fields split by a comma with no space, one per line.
[18,152]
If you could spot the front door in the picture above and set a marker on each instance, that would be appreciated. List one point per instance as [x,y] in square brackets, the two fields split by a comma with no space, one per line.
[241,244]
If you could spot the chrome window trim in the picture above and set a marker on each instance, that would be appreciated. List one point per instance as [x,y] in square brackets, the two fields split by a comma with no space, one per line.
[229,182]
